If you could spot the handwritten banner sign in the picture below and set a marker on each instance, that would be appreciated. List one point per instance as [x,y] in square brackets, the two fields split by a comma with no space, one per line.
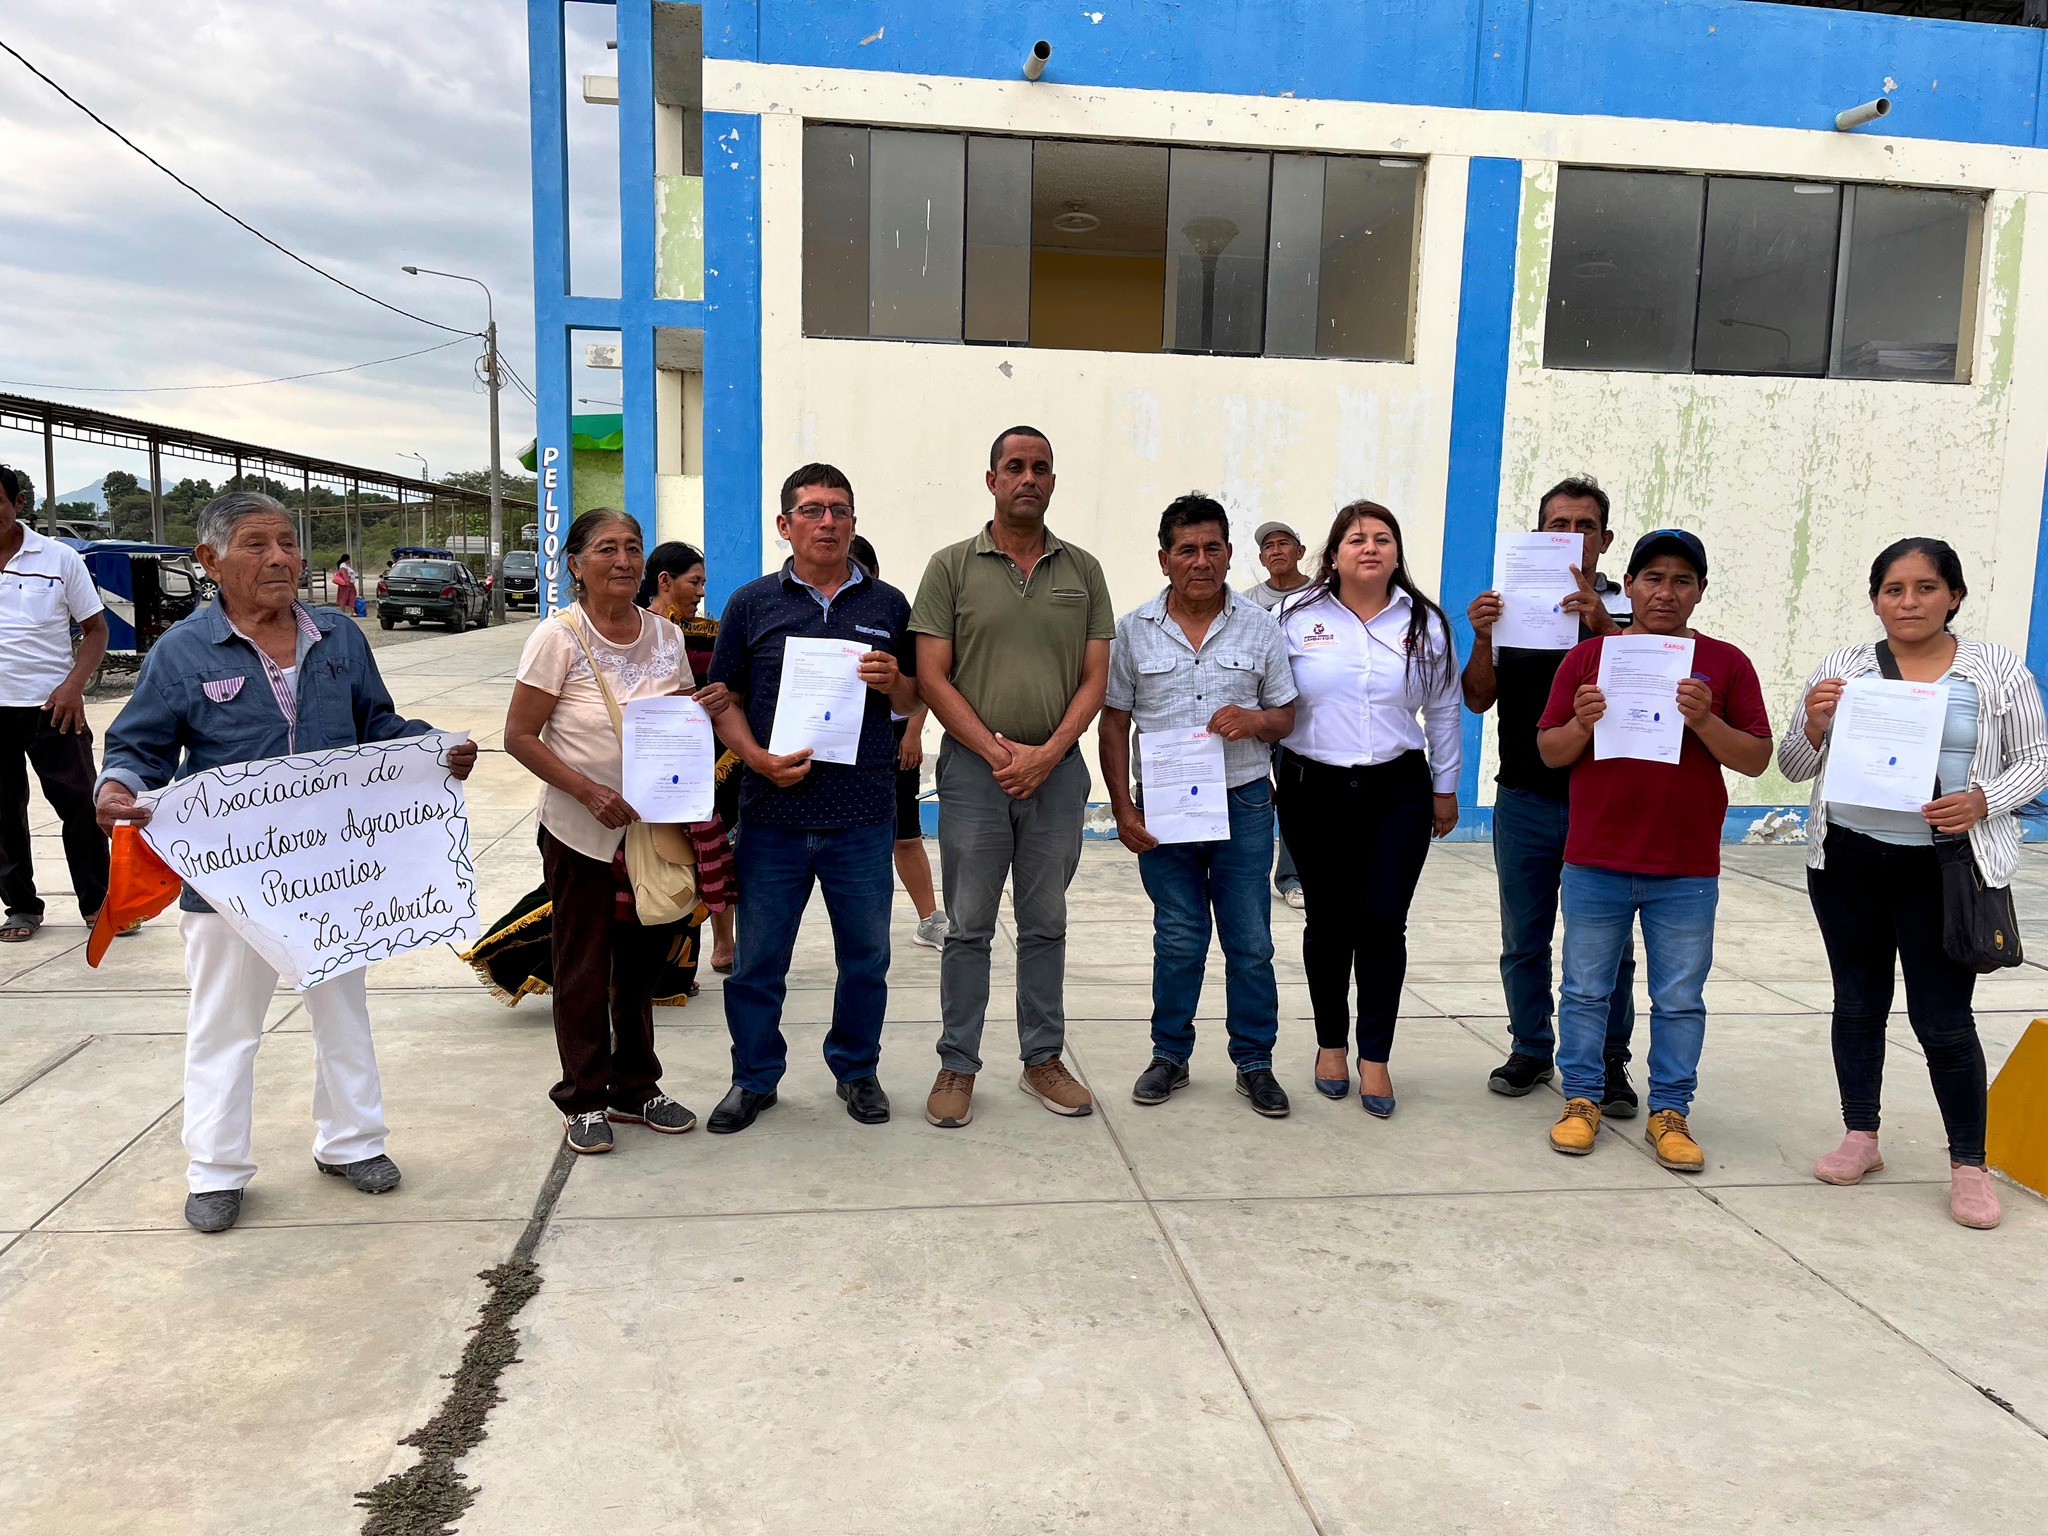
[326,862]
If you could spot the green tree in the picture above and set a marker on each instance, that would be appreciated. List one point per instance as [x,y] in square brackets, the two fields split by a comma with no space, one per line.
[127,505]
[513,486]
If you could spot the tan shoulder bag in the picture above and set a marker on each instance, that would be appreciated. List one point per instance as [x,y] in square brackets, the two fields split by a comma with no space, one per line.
[660,860]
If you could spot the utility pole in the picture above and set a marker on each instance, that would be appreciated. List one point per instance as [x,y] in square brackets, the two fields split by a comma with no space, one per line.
[497,487]
[492,379]
[427,475]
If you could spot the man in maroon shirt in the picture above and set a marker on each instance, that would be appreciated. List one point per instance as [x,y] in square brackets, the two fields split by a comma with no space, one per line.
[1645,841]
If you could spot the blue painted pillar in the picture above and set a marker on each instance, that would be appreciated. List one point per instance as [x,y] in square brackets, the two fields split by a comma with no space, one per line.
[1501,81]
[638,256]
[732,351]
[1493,207]
[2037,618]
[550,153]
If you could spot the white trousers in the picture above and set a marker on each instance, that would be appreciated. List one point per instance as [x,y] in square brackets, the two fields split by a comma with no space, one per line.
[231,990]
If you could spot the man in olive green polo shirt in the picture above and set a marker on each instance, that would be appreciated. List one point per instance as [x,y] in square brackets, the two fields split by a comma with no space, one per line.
[1013,630]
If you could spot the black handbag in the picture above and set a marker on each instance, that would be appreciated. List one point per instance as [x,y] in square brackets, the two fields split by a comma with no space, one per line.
[1980,927]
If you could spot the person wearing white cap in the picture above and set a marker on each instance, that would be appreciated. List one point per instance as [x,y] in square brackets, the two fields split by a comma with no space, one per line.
[1280,551]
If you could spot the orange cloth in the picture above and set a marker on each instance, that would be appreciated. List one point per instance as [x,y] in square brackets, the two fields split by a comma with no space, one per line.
[139,886]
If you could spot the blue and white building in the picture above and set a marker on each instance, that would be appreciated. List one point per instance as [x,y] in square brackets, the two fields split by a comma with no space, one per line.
[1292,252]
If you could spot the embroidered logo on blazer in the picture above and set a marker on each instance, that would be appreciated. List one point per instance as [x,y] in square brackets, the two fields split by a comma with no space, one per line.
[222,689]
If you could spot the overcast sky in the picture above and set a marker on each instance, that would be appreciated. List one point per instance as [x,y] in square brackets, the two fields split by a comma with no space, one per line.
[363,135]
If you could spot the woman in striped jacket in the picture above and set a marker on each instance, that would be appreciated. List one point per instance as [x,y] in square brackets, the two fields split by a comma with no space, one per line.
[1872,874]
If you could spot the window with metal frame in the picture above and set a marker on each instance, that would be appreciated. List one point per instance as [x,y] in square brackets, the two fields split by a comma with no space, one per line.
[1675,272]
[1107,246]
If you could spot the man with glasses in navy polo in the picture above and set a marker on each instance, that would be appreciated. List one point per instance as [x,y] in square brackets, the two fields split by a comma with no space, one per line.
[802,821]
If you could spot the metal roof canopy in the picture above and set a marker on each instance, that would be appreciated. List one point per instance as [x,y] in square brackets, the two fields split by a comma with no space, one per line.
[78,423]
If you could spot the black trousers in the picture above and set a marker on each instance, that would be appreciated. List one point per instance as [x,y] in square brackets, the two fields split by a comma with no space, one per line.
[64,767]
[1876,900]
[604,997]
[1359,837]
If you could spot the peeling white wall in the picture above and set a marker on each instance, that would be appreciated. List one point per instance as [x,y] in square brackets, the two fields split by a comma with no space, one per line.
[1796,484]
[1287,438]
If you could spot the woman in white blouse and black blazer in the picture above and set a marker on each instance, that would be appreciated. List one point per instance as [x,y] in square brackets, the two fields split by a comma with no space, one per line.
[1872,874]
[1358,799]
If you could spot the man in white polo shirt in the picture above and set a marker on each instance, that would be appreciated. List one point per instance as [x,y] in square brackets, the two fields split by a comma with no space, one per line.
[44,590]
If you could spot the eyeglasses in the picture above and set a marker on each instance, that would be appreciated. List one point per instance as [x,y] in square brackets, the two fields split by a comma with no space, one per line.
[817,511]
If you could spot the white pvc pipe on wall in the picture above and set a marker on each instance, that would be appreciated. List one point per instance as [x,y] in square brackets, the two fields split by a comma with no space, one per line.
[1856,117]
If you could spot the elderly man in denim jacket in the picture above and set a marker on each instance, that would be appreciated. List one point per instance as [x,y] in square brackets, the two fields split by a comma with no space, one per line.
[257,675]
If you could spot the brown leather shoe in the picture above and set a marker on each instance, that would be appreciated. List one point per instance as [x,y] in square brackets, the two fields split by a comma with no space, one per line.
[1054,1086]
[951,1104]
[1671,1140]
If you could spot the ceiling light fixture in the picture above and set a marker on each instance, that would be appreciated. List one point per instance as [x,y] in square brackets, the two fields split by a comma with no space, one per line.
[1076,220]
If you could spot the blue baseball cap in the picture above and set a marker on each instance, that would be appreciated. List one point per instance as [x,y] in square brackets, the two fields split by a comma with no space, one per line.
[1669,541]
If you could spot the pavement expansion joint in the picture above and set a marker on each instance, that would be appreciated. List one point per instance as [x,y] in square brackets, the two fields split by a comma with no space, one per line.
[427,1497]
[1187,1279]
[46,1066]
[1707,1193]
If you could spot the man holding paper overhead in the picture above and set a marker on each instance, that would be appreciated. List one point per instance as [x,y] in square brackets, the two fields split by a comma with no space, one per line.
[1646,740]
[257,675]
[1531,804]
[1205,675]
[815,657]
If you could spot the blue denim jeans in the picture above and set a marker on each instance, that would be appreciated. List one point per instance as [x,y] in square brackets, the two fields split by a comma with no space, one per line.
[1677,914]
[776,867]
[1187,881]
[1528,857]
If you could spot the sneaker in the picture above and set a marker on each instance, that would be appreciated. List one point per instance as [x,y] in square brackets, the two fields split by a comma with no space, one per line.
[1156,1083]
[1971,1199]
[1672,1142]
[215,1210]
[588,1132]
[660,1113]
[951,1103]
[1848,1163]
[372,1175]
[1618,1098]
[1057,1089]
[1519,1073]
[1293,897]
[1576,1128]
[931,931]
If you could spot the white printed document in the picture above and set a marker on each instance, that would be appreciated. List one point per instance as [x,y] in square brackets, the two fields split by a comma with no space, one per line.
[1186,800]
[1532,572]
[821,701]
[1640,674]
[670,754]
[1885,743]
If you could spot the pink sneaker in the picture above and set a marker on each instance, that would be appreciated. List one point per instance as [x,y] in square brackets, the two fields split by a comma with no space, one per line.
[1856,1156]
[1971,1199]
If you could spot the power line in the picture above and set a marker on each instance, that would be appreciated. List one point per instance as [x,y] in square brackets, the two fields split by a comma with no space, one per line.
[216,207]
[513,374]
[174,389]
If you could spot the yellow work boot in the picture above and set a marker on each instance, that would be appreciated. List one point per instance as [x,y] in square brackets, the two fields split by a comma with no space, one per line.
[1672,1142]
[1576,1127]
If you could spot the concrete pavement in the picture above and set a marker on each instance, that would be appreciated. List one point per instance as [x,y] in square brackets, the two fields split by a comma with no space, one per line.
[1177,1319]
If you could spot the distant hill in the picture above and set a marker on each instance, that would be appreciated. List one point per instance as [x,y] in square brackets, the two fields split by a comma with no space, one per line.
[94,494]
